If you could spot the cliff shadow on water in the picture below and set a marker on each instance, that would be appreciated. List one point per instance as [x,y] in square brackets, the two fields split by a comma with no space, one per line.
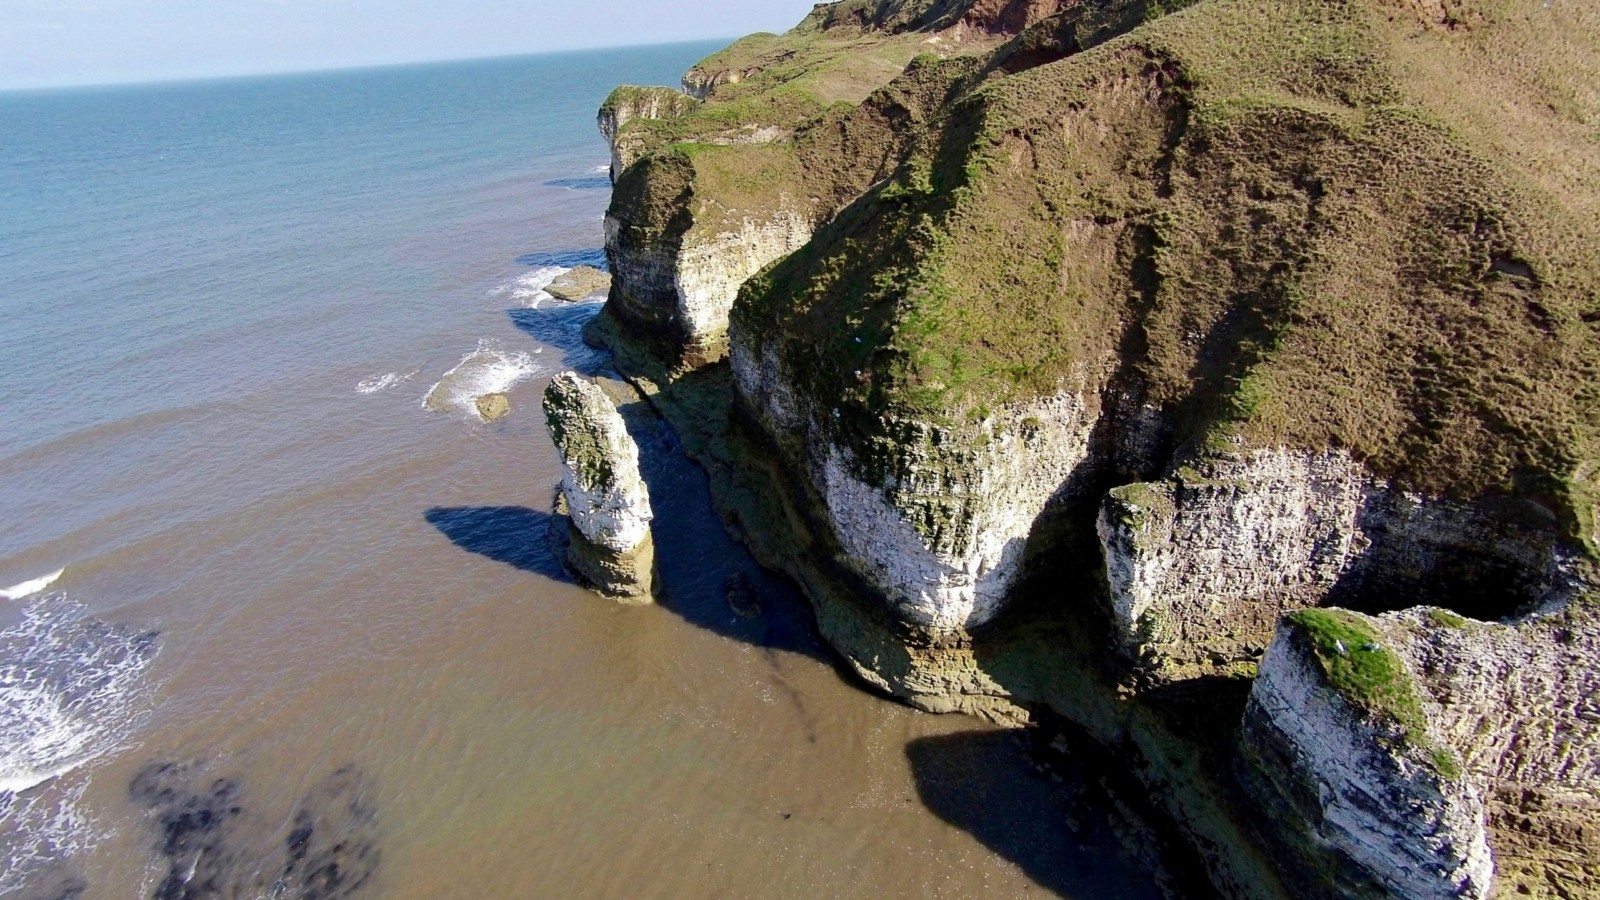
[702,574]
[560,327]
[587,183]
[566,259]
[989,784]
[514,535]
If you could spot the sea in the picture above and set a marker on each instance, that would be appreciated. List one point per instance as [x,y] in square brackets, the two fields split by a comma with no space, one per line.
[278,613]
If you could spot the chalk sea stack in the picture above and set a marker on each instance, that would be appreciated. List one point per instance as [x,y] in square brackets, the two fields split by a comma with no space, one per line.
[1216,376]
[607,507]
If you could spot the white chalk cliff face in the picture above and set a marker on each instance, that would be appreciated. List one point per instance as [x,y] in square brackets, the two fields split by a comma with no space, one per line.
[688,286]
[1499,693]
[943,535]
[680,279]
[1202,564]
[700,83]
[712,264]
[685,285]
[606,497]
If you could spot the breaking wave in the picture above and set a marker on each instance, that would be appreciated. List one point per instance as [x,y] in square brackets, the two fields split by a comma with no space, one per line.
[383,382]
[486,370]
[29,588]
[68,686]
[72,687]
[528,290]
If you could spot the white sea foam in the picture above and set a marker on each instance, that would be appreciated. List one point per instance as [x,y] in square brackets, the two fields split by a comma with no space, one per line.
[603,169]
[66,682]
[40,831]
[528,289]
[72,688]
[486,370]
[28,588]
[383,382]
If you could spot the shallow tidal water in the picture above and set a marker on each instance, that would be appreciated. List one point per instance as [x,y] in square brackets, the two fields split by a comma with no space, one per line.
[310,640]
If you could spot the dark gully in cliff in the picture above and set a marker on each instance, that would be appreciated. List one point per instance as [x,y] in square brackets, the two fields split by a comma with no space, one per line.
[1212,380]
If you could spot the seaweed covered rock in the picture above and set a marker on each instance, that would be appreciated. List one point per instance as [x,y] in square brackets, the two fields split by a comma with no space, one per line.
[606,503]
[492,407]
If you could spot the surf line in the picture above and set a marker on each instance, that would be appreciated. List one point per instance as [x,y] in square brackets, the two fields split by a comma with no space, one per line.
[29,588]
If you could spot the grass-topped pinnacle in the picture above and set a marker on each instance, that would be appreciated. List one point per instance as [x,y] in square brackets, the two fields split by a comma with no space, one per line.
[1370,677]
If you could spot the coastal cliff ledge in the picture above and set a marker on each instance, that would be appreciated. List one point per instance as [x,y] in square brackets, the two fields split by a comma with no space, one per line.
[1215,377]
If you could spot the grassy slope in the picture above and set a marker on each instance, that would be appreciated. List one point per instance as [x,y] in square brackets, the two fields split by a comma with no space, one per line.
[1351,224]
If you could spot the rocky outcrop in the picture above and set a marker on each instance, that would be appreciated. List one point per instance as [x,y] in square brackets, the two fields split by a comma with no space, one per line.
[606,503]
[699,82]
[579,283]
[713,263]
[1200,567]
[722,190]
[631,102]
[1407,745]
[938,522]
[1340,746]
[492,407]
[1519,704]
[674,288]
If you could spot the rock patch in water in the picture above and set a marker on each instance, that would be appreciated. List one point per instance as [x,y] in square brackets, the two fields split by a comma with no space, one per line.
[330,852]
[492,407]
[742,596]
[207,834]
[579,283]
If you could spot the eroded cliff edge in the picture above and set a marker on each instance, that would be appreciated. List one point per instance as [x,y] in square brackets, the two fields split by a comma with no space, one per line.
[1079,358]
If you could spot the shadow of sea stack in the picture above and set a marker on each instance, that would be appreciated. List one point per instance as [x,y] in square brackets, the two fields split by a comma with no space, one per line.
[603,503]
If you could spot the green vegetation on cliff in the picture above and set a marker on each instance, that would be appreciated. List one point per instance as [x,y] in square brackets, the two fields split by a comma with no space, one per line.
[667,102]
[837,56]
[1371,225]
[1370,677]
[576,413]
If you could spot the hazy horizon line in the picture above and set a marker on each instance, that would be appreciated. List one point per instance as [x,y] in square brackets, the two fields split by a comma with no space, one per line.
[337,68]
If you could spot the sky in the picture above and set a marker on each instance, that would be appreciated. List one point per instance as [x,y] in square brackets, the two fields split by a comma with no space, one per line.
[48,43]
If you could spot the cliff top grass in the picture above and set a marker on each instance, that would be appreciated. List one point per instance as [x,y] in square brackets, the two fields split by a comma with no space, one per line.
[1371,677]
[839,54]
[673,101]
[1369,225]
[715,186]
